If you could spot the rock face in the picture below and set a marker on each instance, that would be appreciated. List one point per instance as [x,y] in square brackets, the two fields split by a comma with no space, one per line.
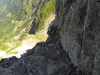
[44,59]
[79,24]
[76,50]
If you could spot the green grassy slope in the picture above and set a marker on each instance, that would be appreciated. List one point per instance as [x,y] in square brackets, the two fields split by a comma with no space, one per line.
[45,12]
[15,20]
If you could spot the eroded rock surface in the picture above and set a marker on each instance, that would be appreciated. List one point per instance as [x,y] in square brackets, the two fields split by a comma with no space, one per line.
[78,53]
[44,59]
[79,25]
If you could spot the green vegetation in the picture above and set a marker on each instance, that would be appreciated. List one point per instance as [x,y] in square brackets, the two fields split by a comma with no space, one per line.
[3,47]
[40,37]
[29,9]
[5,28]
[9,51]
[16,19]
[9,14]
[45,12]
[79,65]
[36,2]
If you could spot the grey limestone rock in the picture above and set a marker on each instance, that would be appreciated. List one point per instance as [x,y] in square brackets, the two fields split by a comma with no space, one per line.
[79,24]
[75,52]
[41,60]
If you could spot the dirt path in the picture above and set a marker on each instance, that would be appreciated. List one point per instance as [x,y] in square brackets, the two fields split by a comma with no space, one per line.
[50,19]
[31,40]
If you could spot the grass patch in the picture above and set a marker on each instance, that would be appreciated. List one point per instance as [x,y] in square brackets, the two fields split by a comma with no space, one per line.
[45,12]
[15,17]
[40,28]
[9,14]
[29,9]
[10,50]
[3,47]
[39,37]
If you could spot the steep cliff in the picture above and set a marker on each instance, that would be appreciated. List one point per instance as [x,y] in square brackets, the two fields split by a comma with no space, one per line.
[72,47]
[79,24]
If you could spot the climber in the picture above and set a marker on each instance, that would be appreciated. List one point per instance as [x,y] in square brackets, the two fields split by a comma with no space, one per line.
[52,31]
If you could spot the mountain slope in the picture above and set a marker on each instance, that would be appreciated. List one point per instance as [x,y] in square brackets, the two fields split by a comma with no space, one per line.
[72,48]
[29,41]
[16,19]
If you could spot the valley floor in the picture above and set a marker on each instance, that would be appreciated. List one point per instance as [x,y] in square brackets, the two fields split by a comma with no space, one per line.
[29,41]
